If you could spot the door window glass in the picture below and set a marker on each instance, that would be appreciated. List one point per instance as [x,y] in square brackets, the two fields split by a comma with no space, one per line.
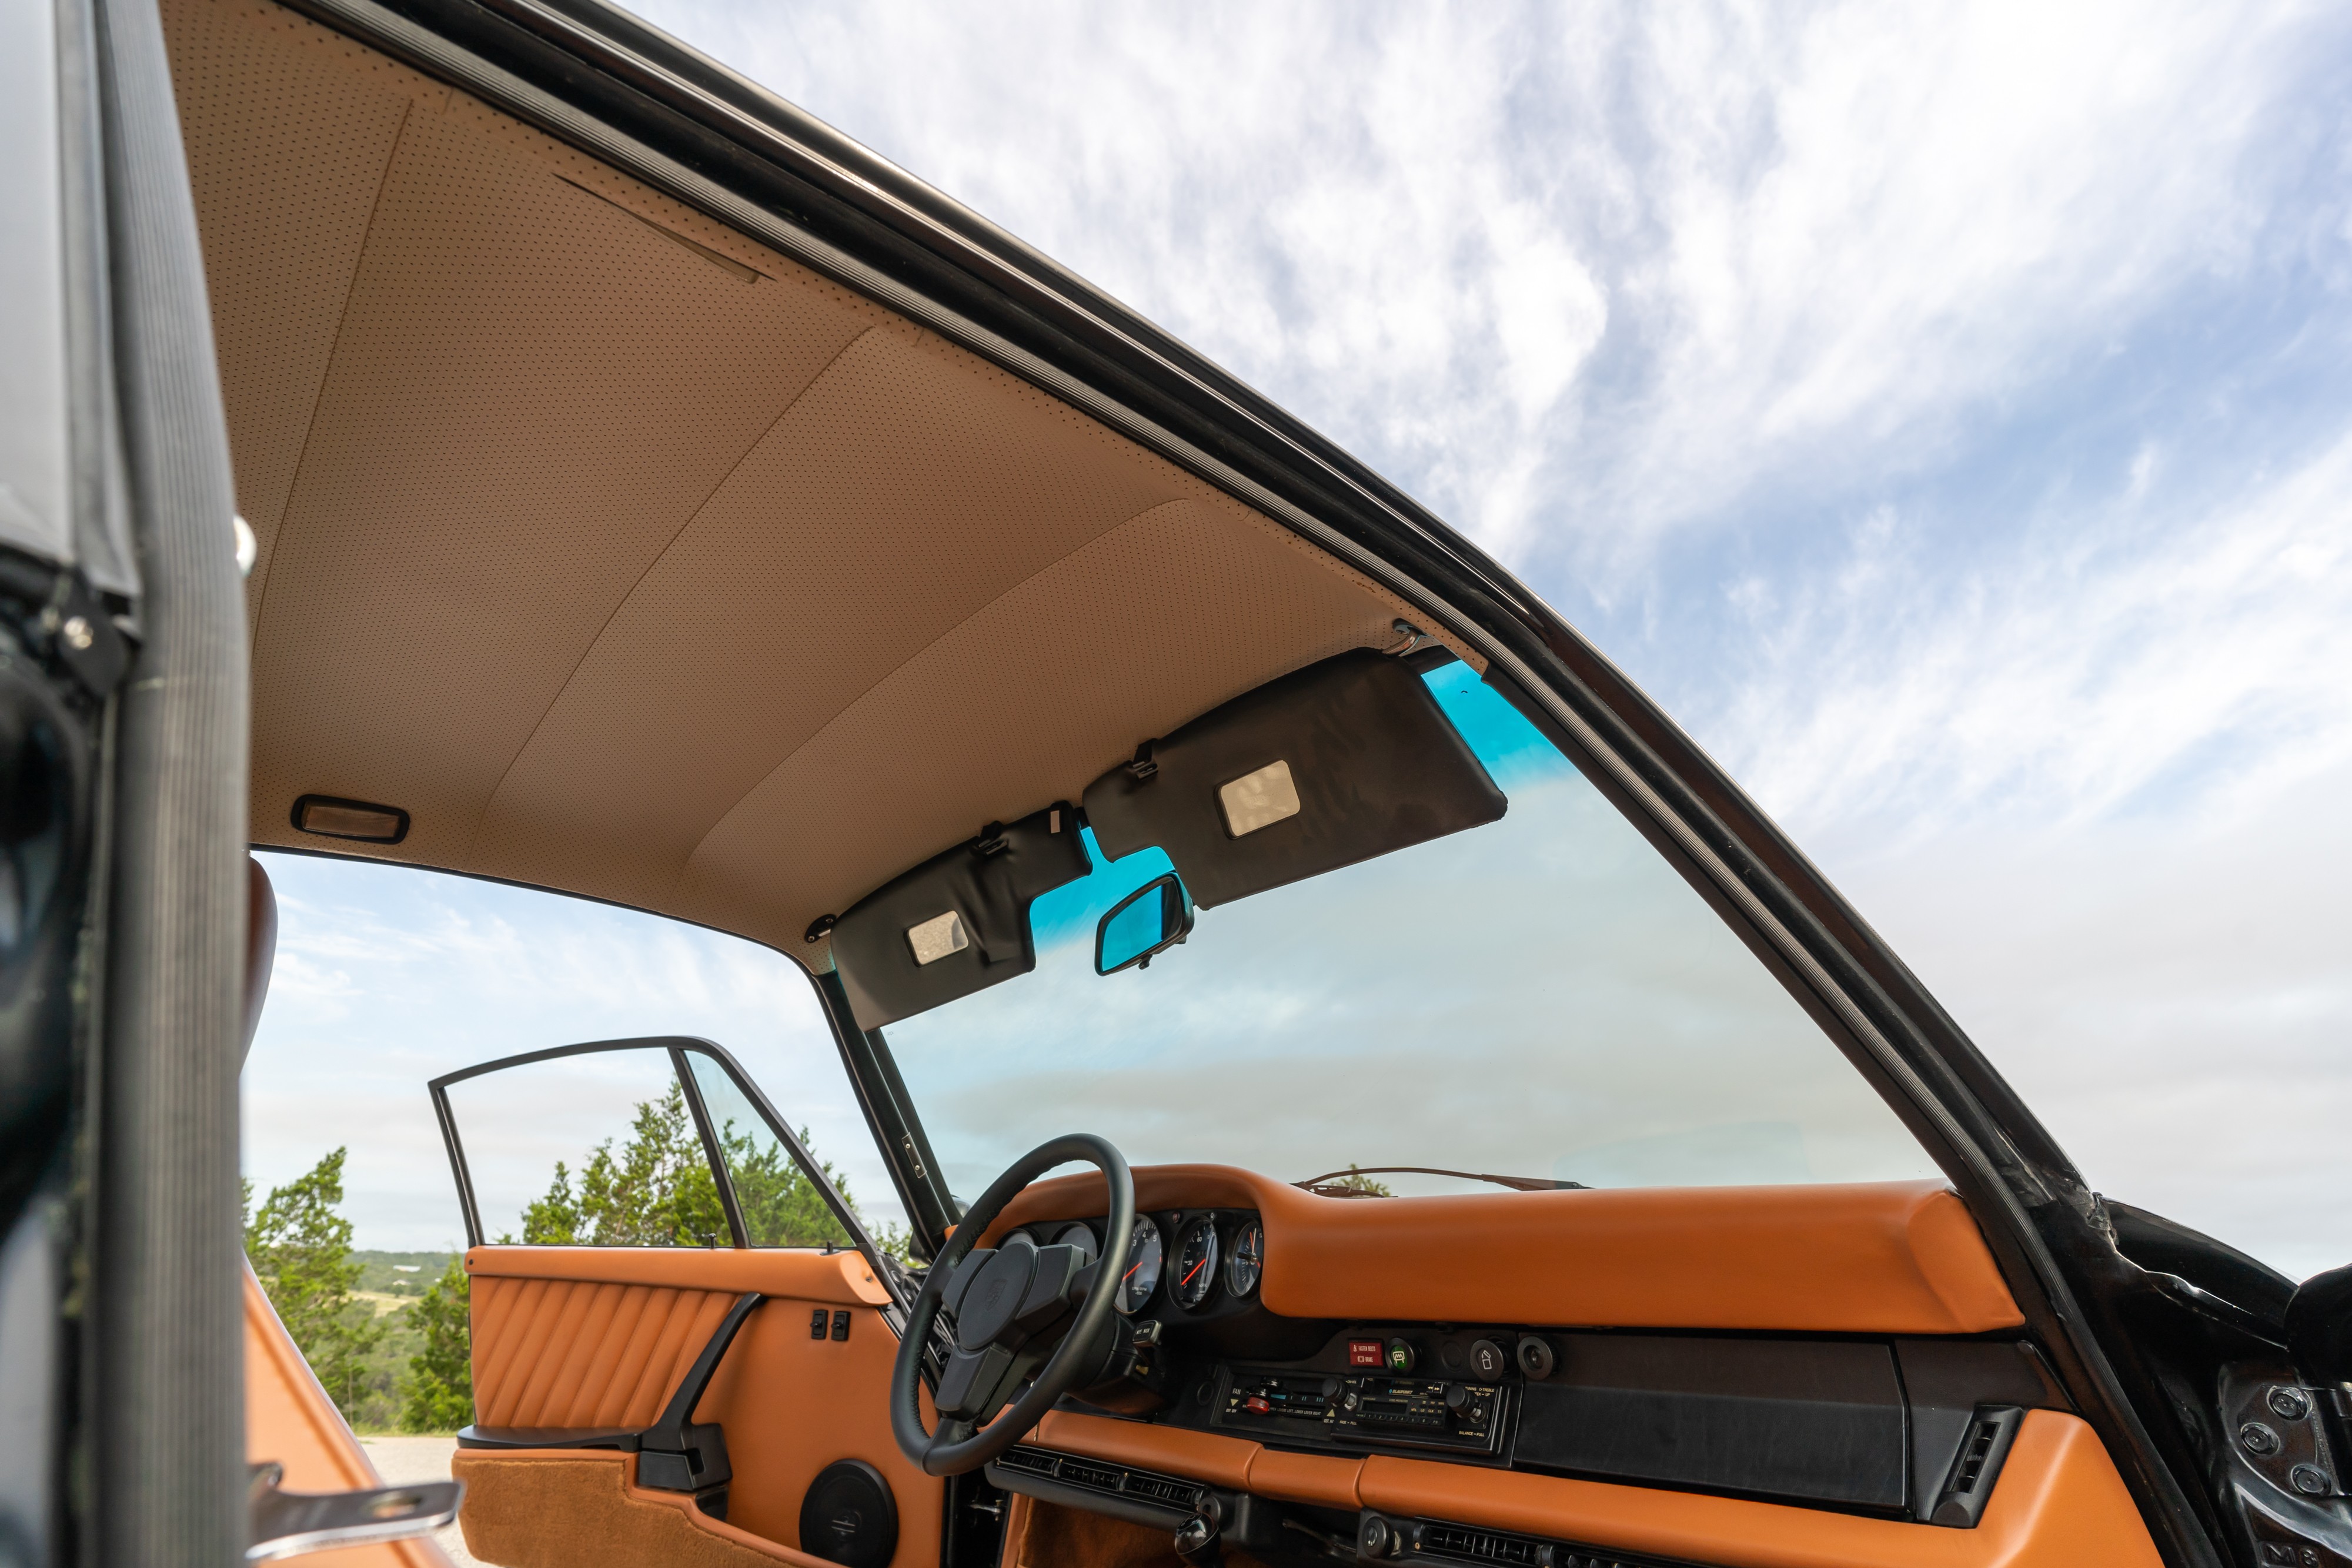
[782,1207]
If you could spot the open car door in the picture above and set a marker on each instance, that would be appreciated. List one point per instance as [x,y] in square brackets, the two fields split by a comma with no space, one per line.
[682,1356]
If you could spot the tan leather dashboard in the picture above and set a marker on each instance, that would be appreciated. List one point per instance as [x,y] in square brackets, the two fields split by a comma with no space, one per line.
[1856,1257]
[2059,1502]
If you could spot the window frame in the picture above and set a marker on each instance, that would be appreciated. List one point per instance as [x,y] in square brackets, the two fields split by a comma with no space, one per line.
[677,1047]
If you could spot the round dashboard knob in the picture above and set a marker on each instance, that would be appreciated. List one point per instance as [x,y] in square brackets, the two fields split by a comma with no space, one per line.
[1375,1539]
[1488,1361]
[1535,1357]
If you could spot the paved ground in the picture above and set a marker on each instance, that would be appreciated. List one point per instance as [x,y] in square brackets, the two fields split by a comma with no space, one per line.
[401,1459]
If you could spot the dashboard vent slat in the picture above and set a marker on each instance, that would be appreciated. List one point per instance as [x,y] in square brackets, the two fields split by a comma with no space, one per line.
[1480,1545]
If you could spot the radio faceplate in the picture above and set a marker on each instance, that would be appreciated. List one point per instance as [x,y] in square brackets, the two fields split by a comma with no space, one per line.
[1359,1409]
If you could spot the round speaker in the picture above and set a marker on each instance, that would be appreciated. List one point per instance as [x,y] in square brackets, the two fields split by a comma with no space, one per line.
[849,1516]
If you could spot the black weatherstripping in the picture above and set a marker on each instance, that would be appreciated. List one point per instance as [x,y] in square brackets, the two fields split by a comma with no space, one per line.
[595,76]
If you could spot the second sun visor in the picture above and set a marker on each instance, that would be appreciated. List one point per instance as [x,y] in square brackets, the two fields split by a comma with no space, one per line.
[1333,764]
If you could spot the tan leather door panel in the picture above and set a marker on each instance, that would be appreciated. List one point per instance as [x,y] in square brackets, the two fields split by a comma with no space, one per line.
[589,1337]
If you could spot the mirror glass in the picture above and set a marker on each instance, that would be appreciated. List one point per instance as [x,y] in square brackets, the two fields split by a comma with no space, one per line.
[1154,917]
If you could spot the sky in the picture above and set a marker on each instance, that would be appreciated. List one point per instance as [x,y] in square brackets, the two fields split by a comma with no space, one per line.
[1939,409]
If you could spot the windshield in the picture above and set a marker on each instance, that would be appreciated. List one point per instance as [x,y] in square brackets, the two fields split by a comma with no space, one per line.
[1543,997]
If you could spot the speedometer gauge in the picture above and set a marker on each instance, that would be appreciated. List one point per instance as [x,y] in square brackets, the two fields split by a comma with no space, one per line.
[1196,1263]
[1247,1260]
[1142,1275]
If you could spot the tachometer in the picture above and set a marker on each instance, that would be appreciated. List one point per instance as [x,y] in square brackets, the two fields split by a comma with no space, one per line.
[1247,1260]
[1196,1263]
[1142,1275]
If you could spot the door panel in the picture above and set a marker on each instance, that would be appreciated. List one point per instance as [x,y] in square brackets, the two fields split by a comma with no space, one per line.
[566,1352]
[590,1337]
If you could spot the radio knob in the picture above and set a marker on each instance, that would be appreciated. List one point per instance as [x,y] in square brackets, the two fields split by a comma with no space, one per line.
[1456,1397]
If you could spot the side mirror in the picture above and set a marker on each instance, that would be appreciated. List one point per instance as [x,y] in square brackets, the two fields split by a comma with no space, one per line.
[1151,919]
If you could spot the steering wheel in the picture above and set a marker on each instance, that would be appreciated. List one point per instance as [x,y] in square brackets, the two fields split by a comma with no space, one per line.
[1009,1312]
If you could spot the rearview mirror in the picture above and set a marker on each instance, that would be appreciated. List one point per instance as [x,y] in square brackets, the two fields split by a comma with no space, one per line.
[1151,919]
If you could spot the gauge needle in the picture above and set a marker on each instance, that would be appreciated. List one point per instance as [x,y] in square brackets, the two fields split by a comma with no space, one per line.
[1123,1278]
[1196,1268]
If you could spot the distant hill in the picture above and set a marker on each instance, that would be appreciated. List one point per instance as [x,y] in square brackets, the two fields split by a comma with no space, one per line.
[403,1274]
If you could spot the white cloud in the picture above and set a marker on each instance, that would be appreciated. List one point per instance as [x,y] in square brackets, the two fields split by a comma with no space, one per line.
[1811,234]
[2119,659]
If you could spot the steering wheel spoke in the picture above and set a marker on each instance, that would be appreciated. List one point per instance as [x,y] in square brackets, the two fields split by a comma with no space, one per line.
[971,1378]
[959,1283]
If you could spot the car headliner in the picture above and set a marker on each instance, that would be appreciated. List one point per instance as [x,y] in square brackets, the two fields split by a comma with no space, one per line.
[634,560]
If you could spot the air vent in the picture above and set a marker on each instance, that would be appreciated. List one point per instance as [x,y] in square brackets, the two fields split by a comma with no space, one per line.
[1160,1489]
[1976,1467]
[1480,1545]
[1117,1480]
[1973,1461]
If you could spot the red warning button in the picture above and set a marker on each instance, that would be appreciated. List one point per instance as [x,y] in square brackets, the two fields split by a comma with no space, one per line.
[1365,1352]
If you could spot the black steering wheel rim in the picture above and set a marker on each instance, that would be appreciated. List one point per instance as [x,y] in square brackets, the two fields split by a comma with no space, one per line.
[957,1447]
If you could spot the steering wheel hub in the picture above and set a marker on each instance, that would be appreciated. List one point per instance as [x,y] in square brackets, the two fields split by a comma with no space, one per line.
[994,1298]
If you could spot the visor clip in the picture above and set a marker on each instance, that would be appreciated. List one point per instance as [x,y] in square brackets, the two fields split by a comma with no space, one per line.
[1143,769]
[820,928]
[990,841]
[1414,638]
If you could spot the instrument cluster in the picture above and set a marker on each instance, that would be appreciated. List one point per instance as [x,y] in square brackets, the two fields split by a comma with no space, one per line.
[1217,1258]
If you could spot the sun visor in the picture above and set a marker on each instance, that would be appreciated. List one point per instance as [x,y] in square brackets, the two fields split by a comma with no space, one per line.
[956,924]
[1330,765]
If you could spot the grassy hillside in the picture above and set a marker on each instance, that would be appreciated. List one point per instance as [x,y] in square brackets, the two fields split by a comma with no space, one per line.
[387,1287]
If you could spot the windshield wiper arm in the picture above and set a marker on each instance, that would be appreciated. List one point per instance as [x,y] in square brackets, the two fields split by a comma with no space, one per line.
[1517,1183]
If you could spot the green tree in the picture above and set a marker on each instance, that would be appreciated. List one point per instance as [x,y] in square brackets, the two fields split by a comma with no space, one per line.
[657,1191]
[438,1394]
[300,1245]
[782,1207]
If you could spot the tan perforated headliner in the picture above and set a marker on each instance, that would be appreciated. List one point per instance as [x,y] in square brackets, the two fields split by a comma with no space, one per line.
[635,561]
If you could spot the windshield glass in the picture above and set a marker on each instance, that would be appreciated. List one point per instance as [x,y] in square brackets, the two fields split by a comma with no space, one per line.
[1543,997]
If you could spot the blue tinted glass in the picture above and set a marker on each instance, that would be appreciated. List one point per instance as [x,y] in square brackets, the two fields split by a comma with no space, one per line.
[1135,929]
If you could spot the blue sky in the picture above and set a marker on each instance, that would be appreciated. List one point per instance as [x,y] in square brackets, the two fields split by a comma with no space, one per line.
[1941,409]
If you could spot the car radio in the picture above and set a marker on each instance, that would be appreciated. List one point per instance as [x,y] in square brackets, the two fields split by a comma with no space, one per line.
[1369,1410]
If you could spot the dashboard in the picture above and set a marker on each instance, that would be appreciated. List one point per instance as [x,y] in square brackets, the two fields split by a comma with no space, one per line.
[1872,1425]
[1368,1371]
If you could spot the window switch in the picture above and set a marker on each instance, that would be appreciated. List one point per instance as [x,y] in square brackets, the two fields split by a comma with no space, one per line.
[841,1325]
[816,1323]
